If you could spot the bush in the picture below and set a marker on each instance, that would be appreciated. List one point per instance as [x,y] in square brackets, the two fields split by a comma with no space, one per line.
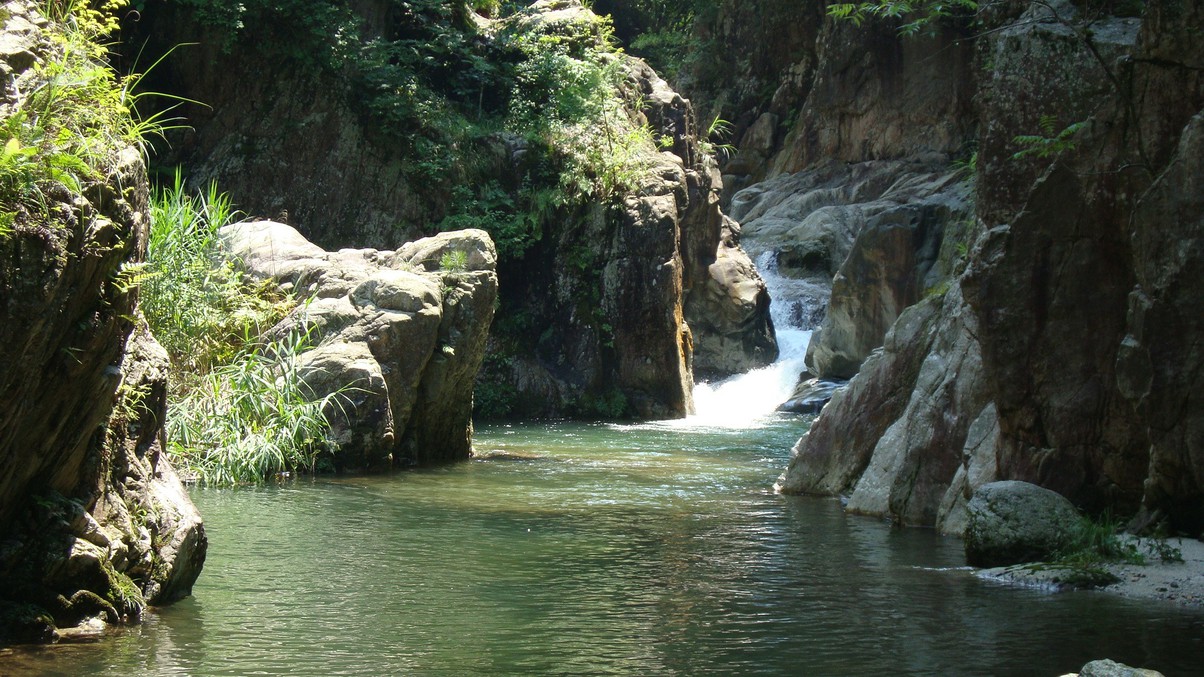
[69,128]
[198,304]
[253,419]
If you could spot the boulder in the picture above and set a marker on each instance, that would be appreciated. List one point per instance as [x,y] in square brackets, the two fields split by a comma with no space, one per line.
[810,395]
[1013,522]
[1110,668]
[399,335]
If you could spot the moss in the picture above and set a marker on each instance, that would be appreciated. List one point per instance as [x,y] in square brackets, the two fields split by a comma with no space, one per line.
[24,623]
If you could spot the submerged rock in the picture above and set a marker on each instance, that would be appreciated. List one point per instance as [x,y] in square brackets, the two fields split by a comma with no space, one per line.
[1015,522]
[399,334]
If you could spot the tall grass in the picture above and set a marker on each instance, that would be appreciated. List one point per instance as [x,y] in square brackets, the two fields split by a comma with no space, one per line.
[199,305]
[253,419]
[240,411]
[70,126]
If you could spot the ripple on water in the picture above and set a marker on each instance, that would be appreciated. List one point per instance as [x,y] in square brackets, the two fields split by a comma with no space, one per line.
[624,550]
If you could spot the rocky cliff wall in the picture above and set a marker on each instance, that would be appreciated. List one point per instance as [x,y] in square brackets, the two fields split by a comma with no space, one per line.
[611,308]
[1070,318]
[93,521]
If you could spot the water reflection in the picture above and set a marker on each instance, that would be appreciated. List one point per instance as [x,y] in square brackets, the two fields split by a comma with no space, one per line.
[623,550]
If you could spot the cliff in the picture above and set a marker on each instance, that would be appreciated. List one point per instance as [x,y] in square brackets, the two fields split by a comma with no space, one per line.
[1062,350]
[617,283]
[93,521]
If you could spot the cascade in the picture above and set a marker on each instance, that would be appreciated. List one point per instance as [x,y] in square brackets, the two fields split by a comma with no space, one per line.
[741,400]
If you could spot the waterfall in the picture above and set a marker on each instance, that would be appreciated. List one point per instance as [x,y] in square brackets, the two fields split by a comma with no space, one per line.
[742,400]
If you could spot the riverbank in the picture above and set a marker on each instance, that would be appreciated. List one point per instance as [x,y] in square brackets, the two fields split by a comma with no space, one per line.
[1180,583]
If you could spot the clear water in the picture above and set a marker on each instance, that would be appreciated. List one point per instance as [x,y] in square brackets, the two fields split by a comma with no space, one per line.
[602,549]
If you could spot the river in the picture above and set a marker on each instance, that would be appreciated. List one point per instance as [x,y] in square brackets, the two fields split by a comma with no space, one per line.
[603,549]
[593,549]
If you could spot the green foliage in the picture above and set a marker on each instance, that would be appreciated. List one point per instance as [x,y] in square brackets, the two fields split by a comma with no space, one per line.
[915,15]
[1050,142]
[253,419]
[70,127]
[198,304]
[716,139]
[453,261]
[1099,541]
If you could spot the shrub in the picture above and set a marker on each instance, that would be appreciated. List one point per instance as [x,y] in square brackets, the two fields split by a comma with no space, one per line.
[69,128]
[198,304]
[253,419]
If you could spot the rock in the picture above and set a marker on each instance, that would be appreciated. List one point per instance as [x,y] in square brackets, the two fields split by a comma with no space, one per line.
[626,288]
[729,316]
[1160,363]
[810,395]
[838,91]
[856,244]
[830,458]
[1073,313]
[1013,522]
[400,335]
[92,517]
[1110,668]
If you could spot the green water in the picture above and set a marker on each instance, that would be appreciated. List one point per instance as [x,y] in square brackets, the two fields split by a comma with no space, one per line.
[646,550]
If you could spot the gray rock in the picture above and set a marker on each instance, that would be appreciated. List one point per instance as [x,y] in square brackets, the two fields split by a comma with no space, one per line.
[1110,668]
[855,245]
[396,334]
[810,396]
[1012,522]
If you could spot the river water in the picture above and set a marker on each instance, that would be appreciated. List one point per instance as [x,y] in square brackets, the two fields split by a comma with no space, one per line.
[655,549]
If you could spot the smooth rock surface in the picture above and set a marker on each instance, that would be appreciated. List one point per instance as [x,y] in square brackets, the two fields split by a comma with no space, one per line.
[398,335]
[1014,522]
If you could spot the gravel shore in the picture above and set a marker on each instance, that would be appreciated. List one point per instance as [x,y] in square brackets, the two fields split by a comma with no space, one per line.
[1176,582]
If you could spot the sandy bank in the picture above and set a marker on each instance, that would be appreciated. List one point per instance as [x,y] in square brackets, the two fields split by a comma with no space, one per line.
[1176,582]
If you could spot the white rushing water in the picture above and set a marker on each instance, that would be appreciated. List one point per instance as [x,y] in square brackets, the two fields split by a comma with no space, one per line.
[745,399]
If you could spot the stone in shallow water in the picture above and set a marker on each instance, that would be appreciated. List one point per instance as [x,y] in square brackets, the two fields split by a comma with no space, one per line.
[1014,522]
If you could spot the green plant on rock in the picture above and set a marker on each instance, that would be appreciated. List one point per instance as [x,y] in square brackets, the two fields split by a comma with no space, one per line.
[253,419]
[1095,542]
[915,15]
[198,304]
[71,126]
[1050,142]
[453,261]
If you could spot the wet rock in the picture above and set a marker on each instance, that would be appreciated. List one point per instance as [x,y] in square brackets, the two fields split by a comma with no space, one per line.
[1110,668]
[1013,522]
[400,335]
[810,396]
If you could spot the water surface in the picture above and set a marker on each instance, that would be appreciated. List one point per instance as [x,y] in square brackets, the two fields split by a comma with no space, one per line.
[603,549]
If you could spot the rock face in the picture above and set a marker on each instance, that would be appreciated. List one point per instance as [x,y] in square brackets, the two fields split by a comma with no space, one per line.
[93,521]
[1070,320]
[801,89]
[860,242]
[1017,522]
[615,305]
[403,332]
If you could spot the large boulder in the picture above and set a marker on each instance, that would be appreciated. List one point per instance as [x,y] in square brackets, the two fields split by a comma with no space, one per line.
[93,521]
[1015,522]
[400,335]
